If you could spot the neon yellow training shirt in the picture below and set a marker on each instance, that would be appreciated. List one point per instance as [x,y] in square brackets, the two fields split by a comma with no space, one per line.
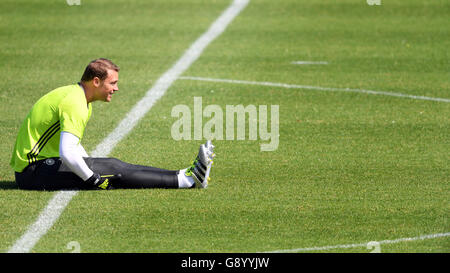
[63,109]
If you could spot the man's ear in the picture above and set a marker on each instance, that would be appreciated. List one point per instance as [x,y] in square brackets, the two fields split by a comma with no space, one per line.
[96,81]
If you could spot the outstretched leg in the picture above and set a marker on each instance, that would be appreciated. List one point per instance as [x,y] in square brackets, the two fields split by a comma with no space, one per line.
[133,176]
[53,174]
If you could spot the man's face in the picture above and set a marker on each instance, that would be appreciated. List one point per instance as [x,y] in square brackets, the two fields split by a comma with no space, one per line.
[108,86]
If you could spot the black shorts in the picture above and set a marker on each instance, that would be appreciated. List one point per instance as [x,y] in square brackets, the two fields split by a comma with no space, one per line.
[53,174]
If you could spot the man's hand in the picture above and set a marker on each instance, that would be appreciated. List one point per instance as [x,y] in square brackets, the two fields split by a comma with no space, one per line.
[102,181]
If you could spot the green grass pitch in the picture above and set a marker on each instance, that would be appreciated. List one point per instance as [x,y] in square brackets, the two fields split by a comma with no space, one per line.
[349,168]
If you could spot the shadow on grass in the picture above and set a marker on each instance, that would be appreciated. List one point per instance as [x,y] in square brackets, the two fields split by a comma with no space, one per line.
[8,185]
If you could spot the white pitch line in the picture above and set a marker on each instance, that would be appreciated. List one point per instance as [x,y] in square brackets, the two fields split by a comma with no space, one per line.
[309,62]
[295,86]
[61,199]
[322,248]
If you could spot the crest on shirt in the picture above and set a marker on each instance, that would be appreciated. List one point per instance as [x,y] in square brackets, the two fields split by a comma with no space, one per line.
[50,161]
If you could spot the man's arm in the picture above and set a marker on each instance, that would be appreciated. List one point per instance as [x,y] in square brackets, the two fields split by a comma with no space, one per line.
[83,152]
[72,155]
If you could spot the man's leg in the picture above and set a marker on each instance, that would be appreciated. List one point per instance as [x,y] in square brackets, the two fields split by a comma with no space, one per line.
[138,176]
[52,174]
[133,176]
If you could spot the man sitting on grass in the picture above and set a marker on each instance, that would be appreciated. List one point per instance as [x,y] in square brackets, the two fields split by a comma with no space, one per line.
[48,155]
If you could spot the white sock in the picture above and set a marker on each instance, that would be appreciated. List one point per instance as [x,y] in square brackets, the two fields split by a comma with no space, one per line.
[185,181]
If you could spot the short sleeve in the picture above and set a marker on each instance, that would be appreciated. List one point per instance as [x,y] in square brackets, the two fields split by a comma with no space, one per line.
[73,115]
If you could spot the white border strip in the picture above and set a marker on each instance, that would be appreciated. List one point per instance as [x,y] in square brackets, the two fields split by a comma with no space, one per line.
[322,248]
[283,85]
[61,199]
[309,62]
